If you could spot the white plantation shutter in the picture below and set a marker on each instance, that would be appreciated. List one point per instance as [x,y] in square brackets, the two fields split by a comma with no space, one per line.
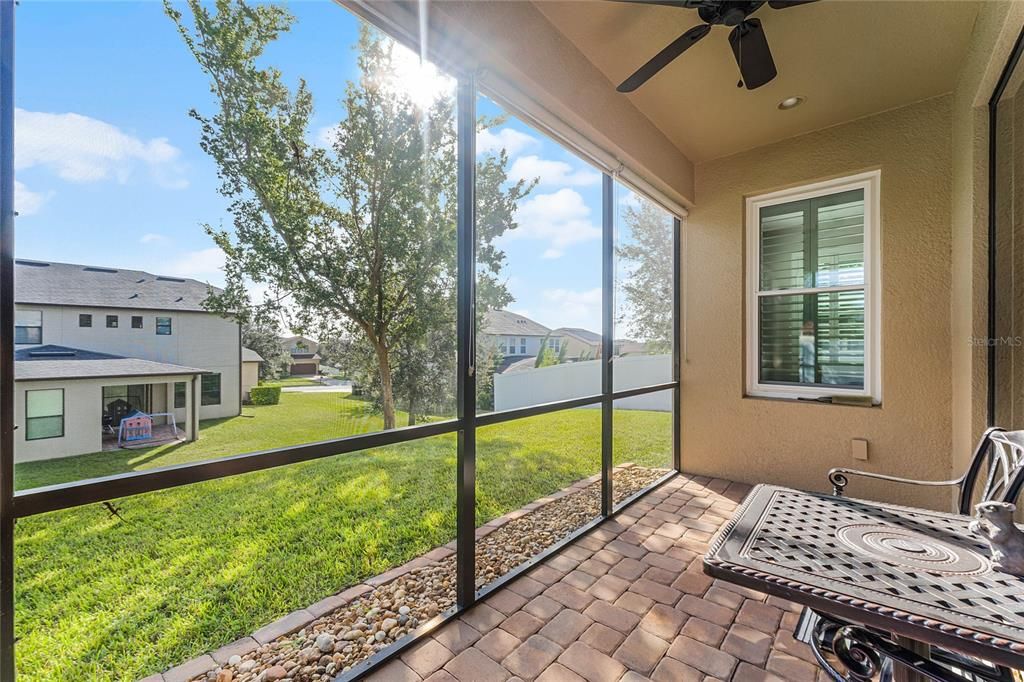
[810,299]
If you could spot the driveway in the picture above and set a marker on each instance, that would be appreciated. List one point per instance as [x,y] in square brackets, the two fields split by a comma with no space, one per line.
[326,386]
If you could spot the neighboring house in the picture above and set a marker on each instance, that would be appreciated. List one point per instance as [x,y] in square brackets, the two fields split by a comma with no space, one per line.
[93,344]
[305,355]
[580,344]
[515,336]
[251,361]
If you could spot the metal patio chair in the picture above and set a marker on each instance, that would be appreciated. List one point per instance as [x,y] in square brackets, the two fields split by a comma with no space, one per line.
[999,456]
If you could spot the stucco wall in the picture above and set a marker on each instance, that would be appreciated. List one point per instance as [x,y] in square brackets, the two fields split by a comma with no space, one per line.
[795,443]
[250,377]
[995,30]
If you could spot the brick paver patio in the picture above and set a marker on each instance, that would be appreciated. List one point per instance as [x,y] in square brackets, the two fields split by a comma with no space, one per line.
[626,602]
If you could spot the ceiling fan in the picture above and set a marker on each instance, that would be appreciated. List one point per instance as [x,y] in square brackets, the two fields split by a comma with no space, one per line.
[749,44]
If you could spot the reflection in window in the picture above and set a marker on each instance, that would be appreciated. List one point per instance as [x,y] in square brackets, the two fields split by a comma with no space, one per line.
[210,388]
[163,326]
[44,414]
[644,296]
[28,327]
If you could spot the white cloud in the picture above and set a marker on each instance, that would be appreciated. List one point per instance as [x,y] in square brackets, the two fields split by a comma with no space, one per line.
[27,202]
[326,136]
[561,219]
[83,149]
[204,264]
[570,308]
[151,238]
[548,172]
[509,139]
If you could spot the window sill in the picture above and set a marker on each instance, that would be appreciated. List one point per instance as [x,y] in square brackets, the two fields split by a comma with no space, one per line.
[807,400]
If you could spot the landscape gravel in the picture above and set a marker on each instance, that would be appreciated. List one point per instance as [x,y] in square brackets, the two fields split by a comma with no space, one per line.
[373,621]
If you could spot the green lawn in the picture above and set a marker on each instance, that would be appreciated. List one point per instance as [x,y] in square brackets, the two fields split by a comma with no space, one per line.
[193,568]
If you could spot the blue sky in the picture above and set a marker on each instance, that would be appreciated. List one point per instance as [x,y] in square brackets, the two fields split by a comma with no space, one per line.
[109,171]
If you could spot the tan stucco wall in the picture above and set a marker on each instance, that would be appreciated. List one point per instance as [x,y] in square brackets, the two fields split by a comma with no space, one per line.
[995,31]
[795,443]
[250,377]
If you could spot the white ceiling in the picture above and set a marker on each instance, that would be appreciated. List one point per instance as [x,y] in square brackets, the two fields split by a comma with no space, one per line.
[849,58]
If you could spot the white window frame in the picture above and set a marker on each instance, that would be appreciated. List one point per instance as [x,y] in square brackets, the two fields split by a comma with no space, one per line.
[869,182]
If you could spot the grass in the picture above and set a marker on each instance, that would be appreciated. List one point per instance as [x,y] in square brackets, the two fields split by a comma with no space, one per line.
[192,568]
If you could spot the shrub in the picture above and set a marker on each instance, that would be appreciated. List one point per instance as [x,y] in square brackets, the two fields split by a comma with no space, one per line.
[269,394]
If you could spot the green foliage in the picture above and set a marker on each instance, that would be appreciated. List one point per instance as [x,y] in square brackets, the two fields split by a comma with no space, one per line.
[359,238]
[648,295]
[193,568]
[488,360]
[547,357]
[268,394]
[260,333]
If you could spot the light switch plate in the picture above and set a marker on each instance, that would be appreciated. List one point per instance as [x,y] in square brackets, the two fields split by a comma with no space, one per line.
[860,449]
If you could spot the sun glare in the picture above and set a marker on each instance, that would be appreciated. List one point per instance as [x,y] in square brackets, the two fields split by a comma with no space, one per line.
[423,82]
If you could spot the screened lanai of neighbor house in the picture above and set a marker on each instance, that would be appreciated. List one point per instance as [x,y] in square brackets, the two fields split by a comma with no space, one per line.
[521,340]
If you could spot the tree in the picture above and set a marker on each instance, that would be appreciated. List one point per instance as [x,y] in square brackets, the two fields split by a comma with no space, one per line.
[647,288]
[359,237]
[260,333]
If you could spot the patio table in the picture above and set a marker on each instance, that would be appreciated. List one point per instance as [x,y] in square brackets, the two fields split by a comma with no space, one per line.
[887,579]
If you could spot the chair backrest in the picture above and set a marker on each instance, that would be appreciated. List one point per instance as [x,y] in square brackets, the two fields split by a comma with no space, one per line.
[999,464]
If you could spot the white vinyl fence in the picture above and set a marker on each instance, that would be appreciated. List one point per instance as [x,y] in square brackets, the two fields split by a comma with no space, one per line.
[578,379]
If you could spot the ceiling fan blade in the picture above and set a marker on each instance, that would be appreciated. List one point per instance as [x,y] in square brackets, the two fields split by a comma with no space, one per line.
[664,58]
[750,47]
[784,4]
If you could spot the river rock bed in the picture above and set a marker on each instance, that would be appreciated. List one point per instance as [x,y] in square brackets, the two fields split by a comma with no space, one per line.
[338,640]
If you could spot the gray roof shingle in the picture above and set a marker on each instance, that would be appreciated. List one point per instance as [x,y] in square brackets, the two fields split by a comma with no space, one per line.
[47,283]
[61,362]
[505,323]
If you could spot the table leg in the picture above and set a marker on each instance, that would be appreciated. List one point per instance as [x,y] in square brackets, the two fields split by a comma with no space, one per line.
[902,673]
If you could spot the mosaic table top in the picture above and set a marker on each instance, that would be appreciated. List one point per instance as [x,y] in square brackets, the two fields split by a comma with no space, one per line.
[913,572]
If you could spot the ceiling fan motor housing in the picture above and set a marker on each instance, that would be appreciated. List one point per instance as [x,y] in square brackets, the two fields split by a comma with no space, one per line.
[726,13]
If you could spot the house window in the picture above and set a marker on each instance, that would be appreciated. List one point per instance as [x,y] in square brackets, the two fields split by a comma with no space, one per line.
[522,346]
[179,394]
[812,291]
[210,389]
[553,344]
[112,321]
[501,346]
[85,320]
[28,326]
[163,326]
[44,414]
[136,321]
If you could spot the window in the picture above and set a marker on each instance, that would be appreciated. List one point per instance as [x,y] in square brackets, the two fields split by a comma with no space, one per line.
[553,344]
[179,394]
[210,389]
[112,321]
[136,321]
[522,346]
[44,414]
[163,326]
[28,327]
[812,291]
[85,320]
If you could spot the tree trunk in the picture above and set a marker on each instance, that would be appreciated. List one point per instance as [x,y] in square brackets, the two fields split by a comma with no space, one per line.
[412,407]
[387,393]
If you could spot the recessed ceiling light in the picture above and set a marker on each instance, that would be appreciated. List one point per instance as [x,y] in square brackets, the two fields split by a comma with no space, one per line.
[791,102]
